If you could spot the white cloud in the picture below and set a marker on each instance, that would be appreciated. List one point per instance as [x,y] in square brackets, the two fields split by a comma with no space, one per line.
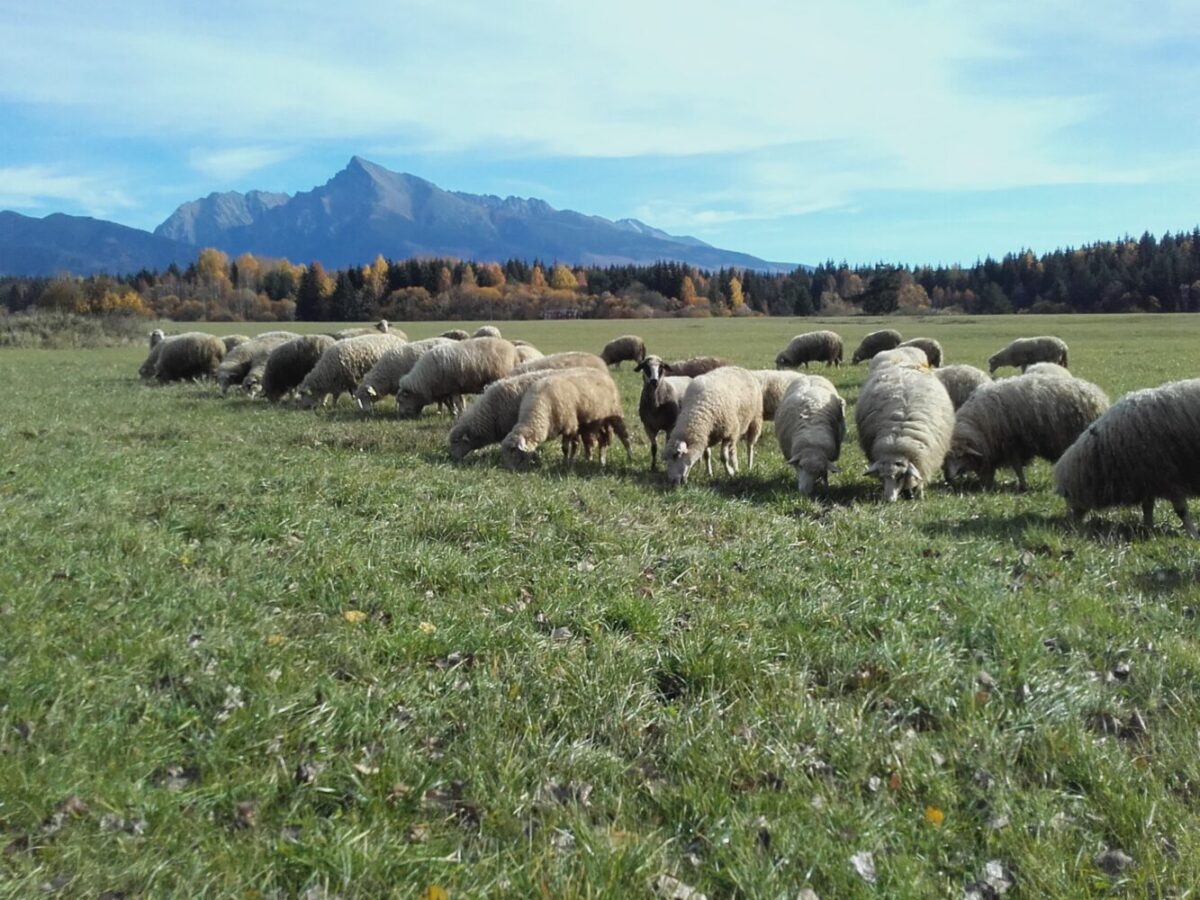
[35,187]
[233,163]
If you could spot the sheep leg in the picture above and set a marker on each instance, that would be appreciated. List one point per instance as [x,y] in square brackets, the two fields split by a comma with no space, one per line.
[1181,510]
[618,426]
[1148,513]
[729,449]
[751,439]
[653,449]
[1022,485]
[708,460]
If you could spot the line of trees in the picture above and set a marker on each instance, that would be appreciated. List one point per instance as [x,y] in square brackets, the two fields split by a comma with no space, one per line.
[1127,275]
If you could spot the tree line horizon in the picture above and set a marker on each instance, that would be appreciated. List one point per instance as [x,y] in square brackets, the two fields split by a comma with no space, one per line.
[1145,274]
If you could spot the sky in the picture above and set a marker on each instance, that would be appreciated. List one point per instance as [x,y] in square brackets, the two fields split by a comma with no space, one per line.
[862,130]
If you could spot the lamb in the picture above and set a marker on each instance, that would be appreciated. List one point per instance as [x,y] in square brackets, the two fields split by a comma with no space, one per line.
[813,346]
[1143,448]
[1010,421]
[774,385]
[572,359]
[233,340]
[287,366]
[449,371]
[905,419]
[455,334]
[187,356]
[384,377]
[933,350]
[658,406]
[1024,352]
[342,366]
[810,425]
[241,359]
[486,331]
[911,357]
[690,368]
[960,381]
[380,327]
[565,403]
[720,406]
[526,352]
[876,342]
[494,414]
[627,346]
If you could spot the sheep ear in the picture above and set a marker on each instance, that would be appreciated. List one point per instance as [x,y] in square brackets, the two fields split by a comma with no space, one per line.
[371,392]
[872,469]
[522,444]
[795,460]
[834,468]
[682,449]
[912,471]
[640,367]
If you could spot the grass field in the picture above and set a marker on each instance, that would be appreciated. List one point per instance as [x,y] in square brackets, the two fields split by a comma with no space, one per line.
[253,651]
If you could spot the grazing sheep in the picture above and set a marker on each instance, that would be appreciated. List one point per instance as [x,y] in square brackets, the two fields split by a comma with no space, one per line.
[241,359]
[960,382]
[156,336]
[566,403]
[911,357]
[1054,370]
[526,352]
[1010,421]
[813,346]
[876,342]
[455,334]
[720,406]
[188,356]
[658,406]
[933,350]
[1024,352]
[380,327]
[146,369]
[774,385]
[572,359]
[449,371]
[1143,448]
[287,366]
[494,414]
[905,419]
[486,331]
[627,346]
[810,425]
[342,366]
[233,340]
[384,377]
[690,368]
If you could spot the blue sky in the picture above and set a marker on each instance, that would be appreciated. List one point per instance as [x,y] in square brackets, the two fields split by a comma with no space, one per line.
[796,131]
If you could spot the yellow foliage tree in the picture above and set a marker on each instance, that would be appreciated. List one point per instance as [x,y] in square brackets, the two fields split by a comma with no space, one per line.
[537,278]
[248,270]
[212,267]
[687,291]
[736,297]
[562,278]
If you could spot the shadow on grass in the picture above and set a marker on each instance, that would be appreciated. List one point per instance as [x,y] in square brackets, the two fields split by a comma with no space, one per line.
[996,525]
[1165,579]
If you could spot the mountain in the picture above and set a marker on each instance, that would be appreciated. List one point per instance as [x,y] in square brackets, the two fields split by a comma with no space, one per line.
[81,245]
[202,222]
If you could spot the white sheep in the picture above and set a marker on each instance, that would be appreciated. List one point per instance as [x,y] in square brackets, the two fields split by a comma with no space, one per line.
[241,359]
[287,366]
[1024,352]
[380,327]
[233,340]
[813,346]
[774,385]
[810,425]
[912,357]
[384,377]
[1143,448]
[719,407]
[494,414]
[571,359]
[568,403]
[876,342]
[455,334]
[342,366]
[449,371]
[905,419]
[486,331]
[1009,422]
[526,352]
[960,381]
[933,349]
[194,354]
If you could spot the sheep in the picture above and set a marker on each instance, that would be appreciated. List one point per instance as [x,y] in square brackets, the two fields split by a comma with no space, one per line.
[658,406]
[960,381]
[905,419]
[526,352]
[156,336]
[933,349]
[690,368]
[233,340]
[342,366]
[1024,352]
[810,425]
[494,414]
[1054,370]
[287,366]
[720,406]
[241,359]
[568,403]
[187,356]
[572,359]
[455,334]
[486,331]
[146,369]
[813,346]
[627,346]
[1010,421]
[380,327]
[449,371]
[910,357]
[774,385]
[876,342]
[1143,448]
[384,377]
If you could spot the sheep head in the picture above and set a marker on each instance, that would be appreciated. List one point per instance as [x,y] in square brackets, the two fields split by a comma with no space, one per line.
[897,475]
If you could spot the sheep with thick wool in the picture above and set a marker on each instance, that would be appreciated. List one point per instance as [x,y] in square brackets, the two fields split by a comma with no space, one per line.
[384,377]
[774,385]
[960,381]
[658,405]
[619,349]
[342,366]
[447,372]
[1141,449]
[810,425]
[234,340]
[571,359]
[912,357]
[287,366]
[568,403]
[693,366]
[1024,352]
[188,356]
[1009,422]
[488,419]
[813,346]
[932,348]
[905,420]
[455,334]
[241,359]
[719,407]
[380,327]
[486,331]
[527,353]
[876,342]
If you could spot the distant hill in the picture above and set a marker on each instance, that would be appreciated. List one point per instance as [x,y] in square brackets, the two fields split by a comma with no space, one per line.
[82,245]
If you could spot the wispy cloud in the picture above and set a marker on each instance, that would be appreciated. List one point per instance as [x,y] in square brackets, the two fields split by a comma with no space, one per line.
[37,187]
[233,163]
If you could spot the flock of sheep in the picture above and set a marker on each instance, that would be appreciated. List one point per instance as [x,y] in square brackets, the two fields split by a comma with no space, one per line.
[914,417]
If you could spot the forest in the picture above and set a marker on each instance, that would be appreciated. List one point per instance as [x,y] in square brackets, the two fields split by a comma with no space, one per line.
[1145,274]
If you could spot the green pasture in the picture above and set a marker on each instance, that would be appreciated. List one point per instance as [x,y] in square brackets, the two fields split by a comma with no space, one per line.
[250,651]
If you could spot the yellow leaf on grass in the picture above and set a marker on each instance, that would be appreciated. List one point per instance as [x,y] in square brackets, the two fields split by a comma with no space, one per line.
[427,628]
[274,640]
[934,816]
[435,892]
[354,616]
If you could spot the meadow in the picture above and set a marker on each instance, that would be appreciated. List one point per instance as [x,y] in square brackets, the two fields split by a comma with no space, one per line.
[254,651]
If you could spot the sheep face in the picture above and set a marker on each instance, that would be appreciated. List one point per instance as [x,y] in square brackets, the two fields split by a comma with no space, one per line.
[365,395]
[897,475]
[680,459]
[781,361]
[652,370]
[156,336]
[252,385]
[961,460]
[461,444]
[516,452]
[811,471]
[408,403]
